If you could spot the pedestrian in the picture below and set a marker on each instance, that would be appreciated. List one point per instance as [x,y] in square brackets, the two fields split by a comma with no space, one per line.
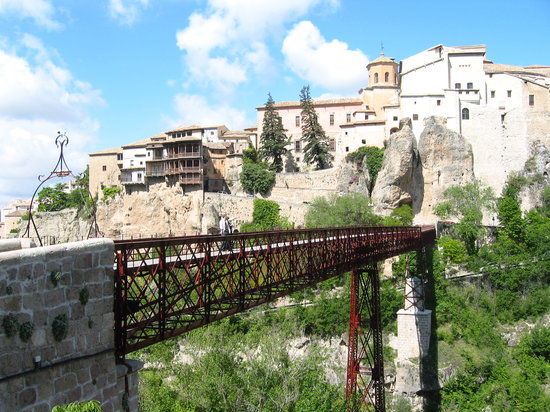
[224,231]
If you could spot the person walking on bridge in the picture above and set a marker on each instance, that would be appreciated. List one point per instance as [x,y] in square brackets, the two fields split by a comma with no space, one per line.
[224,230]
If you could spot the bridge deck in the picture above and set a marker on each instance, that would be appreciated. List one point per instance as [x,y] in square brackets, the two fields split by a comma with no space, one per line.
[165,287]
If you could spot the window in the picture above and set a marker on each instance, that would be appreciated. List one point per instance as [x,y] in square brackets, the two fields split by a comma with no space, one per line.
[394,118]
[465,114]
[298,146]
[212,133]
[332,119]
[415,116]
[347,149]
[297,121]
[457,85]
[348,117]
[470,86]
[438,102]
[139,176]
[509,93]
[332,145]
[366,116]
[119,156]
[297,159]
[492,94]
[104,168]
[386,77]
[531,100]
[131,162]
[375,78]
[363,141]
[189,133]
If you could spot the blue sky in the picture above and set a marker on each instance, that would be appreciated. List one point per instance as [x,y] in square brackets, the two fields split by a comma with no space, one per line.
[111,72]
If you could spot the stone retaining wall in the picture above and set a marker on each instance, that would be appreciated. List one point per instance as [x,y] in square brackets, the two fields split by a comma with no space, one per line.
[42,289]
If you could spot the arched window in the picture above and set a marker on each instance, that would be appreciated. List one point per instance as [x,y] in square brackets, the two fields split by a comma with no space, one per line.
[465,114]
[375,78]
[386,77]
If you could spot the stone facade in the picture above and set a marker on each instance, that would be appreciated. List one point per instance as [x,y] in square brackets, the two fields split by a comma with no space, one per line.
[44,289]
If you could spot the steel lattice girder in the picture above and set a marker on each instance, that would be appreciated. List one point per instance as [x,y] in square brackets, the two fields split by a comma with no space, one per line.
[165,287]
[365,369]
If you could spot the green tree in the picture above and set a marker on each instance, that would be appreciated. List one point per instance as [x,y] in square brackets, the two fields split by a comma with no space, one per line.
[255,176]
[348,210]
[467,203]
[510,217]
[265,216]
[374,156]
[400,216]
[52,199]
[316,149]
[273,138]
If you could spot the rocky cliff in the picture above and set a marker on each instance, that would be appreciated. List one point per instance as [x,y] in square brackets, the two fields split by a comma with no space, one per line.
[411,173]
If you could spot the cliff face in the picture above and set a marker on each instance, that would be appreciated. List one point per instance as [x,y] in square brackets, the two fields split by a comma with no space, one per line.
[418,175]
[411,173]
[399,180]
[160,211]
[446,159]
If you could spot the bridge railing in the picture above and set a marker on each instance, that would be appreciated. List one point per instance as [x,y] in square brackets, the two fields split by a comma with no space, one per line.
[164,287]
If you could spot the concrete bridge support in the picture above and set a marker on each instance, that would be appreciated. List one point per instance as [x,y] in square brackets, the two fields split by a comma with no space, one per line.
[56,332]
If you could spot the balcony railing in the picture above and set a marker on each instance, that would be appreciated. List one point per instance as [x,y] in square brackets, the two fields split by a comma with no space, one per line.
[182,154]
[180,170]
[188,180]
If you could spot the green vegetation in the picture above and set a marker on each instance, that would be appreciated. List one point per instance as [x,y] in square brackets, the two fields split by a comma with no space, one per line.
[316,148]
[349,210]
[273,138]
[496,359]
[374,156]
[265,216]
[52,199]
[255,176]
[87,406]
[467,204]
[110,192]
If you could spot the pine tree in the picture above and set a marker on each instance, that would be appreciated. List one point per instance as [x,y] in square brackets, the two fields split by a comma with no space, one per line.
[316,149]
[273,139]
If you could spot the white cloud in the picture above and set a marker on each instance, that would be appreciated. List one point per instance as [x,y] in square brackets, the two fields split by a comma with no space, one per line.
[218,46]
[194,109]
[329,64]
[127,11]
[38,98]
[41,11]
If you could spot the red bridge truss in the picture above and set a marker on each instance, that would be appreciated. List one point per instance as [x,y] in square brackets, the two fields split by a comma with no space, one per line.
[164,287]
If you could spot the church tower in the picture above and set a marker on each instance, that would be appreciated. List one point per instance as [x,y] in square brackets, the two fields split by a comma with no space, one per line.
[383,72]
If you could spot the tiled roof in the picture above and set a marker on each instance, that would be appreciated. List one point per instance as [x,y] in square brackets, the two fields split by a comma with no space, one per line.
[114,150]
[503,68]
[328,102]
[194,127]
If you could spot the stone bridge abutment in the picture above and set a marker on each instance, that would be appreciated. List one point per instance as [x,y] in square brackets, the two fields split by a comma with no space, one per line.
[57,328]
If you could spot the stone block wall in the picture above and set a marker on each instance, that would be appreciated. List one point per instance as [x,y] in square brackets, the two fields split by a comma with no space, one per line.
[413,333]
[41,290]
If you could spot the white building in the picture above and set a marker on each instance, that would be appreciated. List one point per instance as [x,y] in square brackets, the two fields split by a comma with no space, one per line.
[500,109]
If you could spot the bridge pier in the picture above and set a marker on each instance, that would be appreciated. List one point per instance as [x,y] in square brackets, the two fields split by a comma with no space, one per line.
[365,373]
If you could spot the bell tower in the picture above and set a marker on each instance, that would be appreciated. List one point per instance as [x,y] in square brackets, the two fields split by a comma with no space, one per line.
[383,72]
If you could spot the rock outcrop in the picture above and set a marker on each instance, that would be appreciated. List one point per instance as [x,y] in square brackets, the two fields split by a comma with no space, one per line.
[446,159]
[399,180]
[537,174]
[161,211]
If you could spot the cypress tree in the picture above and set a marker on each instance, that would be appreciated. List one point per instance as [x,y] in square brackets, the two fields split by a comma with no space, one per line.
[316,148]
[273,139]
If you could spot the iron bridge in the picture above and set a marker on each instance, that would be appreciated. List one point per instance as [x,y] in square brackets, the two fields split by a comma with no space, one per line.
[168,286]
